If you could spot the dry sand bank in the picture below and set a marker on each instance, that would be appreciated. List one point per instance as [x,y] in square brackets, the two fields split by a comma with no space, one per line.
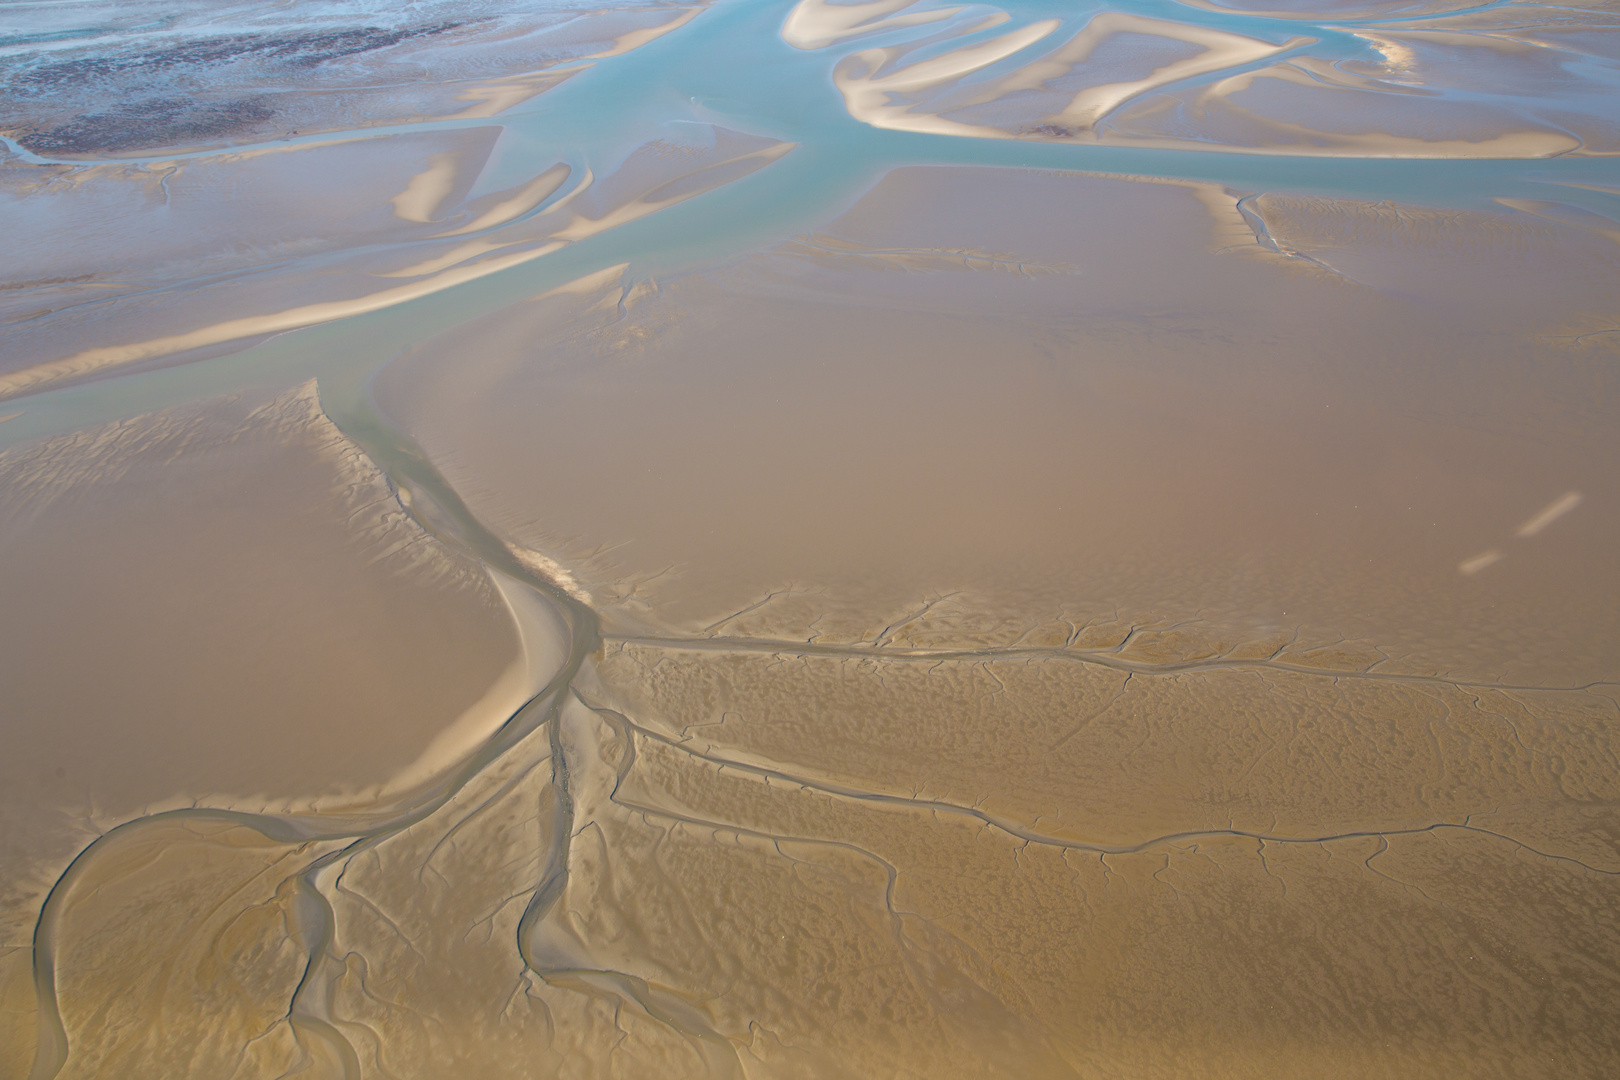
[1433,89]
[362,226]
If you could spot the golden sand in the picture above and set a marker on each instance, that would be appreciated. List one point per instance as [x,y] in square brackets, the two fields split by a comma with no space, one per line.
[1013,623]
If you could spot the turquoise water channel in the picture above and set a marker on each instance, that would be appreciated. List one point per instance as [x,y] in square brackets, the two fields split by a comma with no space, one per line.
[730,67]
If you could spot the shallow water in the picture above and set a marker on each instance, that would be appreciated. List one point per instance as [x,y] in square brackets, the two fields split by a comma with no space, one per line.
[777,540]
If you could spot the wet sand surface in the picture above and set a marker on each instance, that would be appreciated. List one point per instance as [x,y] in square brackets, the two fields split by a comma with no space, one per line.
[991,409]
[820,540]
[225,605]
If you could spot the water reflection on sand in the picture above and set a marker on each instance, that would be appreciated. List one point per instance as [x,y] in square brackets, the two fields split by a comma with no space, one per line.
[775,540]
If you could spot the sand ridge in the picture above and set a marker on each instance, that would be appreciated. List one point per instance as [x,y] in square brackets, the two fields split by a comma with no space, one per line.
[556,208]
[1106,81]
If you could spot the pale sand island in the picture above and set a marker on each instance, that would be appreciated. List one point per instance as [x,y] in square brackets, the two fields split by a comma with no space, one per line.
[774,540]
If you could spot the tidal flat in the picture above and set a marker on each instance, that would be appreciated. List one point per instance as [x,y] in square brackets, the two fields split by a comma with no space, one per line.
[770,539]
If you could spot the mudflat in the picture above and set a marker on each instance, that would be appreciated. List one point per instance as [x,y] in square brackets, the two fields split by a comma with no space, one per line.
[809,540]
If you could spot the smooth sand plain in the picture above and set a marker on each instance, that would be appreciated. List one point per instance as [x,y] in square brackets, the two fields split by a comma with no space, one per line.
[1082,402]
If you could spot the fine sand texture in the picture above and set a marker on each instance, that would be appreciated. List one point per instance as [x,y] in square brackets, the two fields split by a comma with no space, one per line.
[224,605]
[1035,624]
[670,541]
[1060,625]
